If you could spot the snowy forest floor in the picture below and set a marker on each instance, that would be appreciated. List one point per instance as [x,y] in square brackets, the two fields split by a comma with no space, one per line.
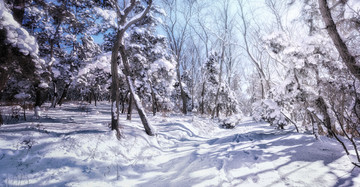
[73,146]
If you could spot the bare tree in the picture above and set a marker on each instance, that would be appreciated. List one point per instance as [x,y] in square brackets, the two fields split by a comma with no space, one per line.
[264,82]
[176,28]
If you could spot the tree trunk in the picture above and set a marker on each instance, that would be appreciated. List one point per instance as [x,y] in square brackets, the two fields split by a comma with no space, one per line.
[115,86]
[90,98]
[134,96]
[123,102]
[202,104]
[24,110]
[182,92]
[54,99]
[39,98]
[95,98]
[63,95]
[129,111]
[340,45]
[153,98]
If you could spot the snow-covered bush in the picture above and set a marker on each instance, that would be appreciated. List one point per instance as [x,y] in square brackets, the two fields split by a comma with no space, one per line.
[269,111]
[232,121]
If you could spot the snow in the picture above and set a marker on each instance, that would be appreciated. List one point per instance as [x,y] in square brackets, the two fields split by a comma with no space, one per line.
[162,63]
[108,16]
[22,96]
[102,62]
[70,146]
[43,85]
[17,36]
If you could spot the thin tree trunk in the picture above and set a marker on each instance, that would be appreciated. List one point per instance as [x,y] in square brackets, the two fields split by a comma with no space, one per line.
[54,99]
[129,111]
[153,98]
[320,103]
[115,86]
[182,92]
[340,45]
[95,98]
[123,102]
[63,95]
[202,104]
[24,110]
[90,97]
[135,97]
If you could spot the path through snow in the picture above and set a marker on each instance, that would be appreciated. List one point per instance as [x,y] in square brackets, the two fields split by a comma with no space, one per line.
[72,146]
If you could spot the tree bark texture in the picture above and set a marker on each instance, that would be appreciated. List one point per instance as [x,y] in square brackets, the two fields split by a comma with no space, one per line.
[340,45]
[115,85]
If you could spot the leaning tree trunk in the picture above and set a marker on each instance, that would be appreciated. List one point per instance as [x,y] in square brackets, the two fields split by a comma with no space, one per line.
[320,103]
[140,109]
[340,45]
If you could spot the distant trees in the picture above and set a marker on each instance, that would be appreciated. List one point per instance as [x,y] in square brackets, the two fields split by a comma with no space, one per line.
[176,27]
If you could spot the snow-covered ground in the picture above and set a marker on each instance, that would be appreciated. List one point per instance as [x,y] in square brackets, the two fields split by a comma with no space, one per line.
[73,146]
